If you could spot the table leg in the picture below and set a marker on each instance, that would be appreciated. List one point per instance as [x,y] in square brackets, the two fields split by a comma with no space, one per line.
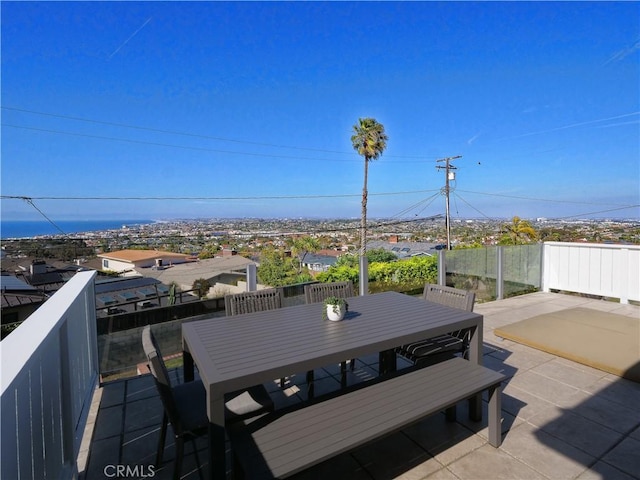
[187,366]
[475,356]
[217,439]
[387,361]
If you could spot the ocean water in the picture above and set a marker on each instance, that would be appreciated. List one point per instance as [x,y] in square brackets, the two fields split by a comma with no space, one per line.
[27,229]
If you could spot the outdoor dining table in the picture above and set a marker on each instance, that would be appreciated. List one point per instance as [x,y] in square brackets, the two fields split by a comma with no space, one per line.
[237,352]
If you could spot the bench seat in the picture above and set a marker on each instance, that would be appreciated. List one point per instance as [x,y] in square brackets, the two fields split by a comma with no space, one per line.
[285,442]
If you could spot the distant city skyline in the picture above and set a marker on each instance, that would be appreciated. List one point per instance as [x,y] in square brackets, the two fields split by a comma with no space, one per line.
[167,110]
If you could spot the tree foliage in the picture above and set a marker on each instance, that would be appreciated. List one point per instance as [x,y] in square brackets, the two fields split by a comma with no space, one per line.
[518,232]
[201,287]
[301,246]
[375,255]
[208,251]
[277,270]
[414,270]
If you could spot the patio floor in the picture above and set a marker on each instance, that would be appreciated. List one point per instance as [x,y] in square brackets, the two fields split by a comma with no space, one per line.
[561,420]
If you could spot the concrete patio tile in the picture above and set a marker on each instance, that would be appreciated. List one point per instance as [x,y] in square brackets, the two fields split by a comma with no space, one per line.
[427,469]
[617,389]
[108,422]
[582,367]
[488,463]
[445,441]
[114,395]
[566,374]
[625,456]
[391,456]
[143,413]
[602,470]
[145,387]
[522,358]
[498,365]
[508,421]
[103,453]
[135,445]
[602,410]
[551,457]
[576,430]
[342,467]
[544,387]
[442,474]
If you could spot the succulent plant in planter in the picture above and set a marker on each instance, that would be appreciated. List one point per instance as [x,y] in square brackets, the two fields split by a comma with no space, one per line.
[335,308]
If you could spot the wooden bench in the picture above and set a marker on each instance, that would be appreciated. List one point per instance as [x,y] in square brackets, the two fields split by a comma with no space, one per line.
[285,442]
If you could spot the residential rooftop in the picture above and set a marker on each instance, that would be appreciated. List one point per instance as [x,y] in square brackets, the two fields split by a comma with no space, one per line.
[561,419]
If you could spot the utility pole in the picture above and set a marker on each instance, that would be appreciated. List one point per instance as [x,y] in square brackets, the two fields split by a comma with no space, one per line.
[449,175]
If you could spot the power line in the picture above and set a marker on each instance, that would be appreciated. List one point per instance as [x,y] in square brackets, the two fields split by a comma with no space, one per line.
[538,199]
[185,147]
[257,197]
[30,202]
[187,134]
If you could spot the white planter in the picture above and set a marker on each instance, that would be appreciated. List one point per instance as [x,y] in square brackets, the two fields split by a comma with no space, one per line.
[335,313]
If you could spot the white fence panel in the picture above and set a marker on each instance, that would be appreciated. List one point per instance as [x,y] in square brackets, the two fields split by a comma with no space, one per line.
[595,269]
[49,372]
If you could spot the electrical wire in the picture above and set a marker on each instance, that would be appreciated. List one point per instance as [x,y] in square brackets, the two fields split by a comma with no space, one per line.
[257,197]
[192,135]
[30,202]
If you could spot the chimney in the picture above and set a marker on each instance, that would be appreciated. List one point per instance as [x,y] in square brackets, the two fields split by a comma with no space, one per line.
[393,239]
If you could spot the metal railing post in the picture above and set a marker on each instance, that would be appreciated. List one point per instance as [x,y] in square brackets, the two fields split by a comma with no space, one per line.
[364,275]
[442,268]
[500,273]
[252,278]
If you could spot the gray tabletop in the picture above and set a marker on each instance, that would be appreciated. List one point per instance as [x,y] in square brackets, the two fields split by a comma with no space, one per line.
[237,352]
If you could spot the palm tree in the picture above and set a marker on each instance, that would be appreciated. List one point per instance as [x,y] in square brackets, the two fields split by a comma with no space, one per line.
[518,232]
[369,140]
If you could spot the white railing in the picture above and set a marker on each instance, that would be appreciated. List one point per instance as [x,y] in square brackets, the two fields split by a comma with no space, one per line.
[49,373]
[593,268]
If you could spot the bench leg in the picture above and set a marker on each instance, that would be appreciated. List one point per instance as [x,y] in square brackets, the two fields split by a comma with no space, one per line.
[343,374]
[475,407]
[451,414]
[495,415]
[310,386]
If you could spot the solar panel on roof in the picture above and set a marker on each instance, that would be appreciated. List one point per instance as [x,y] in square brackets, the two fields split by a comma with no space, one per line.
[128,295]
[9,282]
[124,284]
[147,292]
[107,299]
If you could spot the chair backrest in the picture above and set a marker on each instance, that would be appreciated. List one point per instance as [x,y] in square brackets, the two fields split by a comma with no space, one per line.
[449,296]
[249,302]
[161,376]
[317,292]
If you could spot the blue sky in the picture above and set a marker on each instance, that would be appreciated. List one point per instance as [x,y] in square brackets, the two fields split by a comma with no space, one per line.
[213,109]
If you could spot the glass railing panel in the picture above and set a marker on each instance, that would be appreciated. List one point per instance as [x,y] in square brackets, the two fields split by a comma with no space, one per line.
[119,336]
[522,265]
[473,269]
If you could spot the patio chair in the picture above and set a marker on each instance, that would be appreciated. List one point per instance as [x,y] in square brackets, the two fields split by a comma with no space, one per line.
[433,350]
[318,292]
[185,404]
[250,302]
